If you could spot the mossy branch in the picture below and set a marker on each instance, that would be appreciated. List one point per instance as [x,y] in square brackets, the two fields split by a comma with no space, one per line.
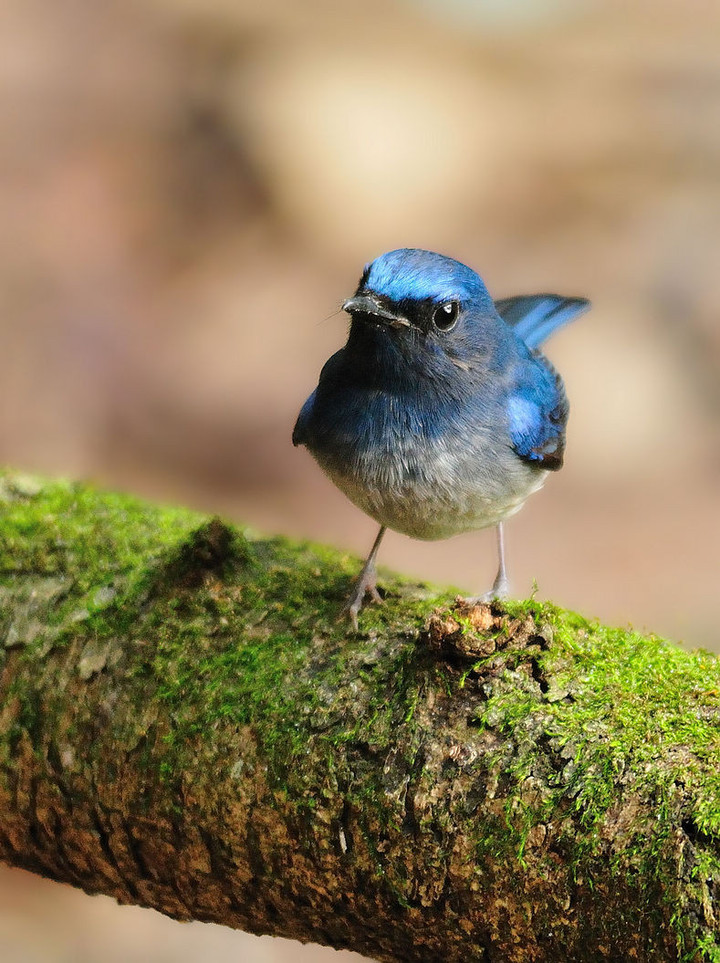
[185,725]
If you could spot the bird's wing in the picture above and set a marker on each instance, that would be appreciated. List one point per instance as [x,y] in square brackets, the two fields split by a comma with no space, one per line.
[329,375]
[299,435]
[538,412]
[534,317]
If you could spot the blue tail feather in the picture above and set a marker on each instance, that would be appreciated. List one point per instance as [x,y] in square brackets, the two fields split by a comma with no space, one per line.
[534,317]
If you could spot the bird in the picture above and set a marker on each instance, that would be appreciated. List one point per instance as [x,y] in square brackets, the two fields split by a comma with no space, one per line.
[440,415]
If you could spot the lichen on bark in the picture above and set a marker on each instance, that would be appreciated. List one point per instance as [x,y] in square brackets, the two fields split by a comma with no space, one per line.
[184,724]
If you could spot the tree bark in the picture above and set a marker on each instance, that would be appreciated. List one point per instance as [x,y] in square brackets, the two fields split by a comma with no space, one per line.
[185,725]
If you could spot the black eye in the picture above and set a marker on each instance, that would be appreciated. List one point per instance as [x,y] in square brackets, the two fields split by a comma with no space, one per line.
[445,316]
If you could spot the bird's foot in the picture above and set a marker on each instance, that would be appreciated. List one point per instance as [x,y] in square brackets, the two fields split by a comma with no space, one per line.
[500,590]
[365,585]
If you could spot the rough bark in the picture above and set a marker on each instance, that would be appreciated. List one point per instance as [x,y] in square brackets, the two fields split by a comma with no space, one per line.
[185,725]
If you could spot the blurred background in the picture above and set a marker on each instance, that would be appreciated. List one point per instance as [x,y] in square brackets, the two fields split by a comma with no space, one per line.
[190,188]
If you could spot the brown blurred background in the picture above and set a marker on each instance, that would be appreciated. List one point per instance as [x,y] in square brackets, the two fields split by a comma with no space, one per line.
[188,190]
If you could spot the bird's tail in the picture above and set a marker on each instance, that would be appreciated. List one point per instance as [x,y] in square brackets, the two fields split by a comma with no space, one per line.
[534,317]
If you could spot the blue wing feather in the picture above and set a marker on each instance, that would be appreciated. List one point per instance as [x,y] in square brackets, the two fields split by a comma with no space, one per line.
[299,435]
[538,412]
[304,424]
[534,317]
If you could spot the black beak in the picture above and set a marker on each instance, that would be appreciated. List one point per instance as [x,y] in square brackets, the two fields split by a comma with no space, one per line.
[367,304]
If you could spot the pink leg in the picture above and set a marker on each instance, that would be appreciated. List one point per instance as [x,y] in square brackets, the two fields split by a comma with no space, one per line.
[366,583]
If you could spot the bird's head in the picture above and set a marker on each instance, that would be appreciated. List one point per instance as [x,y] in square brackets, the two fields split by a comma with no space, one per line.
[418,304]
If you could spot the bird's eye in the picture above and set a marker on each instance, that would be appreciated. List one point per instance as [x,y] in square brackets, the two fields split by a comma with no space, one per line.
[445,316]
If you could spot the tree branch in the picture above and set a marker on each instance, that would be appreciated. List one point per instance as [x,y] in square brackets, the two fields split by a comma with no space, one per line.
[185,725]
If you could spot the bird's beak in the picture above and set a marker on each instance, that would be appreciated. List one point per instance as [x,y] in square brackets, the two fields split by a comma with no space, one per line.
[367,304]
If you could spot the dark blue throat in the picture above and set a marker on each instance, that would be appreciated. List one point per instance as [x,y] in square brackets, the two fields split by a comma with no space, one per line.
[379,357]
[425,364]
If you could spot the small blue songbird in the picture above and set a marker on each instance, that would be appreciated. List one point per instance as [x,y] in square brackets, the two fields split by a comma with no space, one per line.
[440,415]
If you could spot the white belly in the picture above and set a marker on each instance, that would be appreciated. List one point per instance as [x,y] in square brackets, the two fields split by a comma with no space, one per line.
[444,494]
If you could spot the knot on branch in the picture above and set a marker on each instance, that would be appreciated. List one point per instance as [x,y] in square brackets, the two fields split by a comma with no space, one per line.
[473,631]
[210,551]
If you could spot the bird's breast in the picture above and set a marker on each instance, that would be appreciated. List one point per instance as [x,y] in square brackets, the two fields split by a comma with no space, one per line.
[425,478]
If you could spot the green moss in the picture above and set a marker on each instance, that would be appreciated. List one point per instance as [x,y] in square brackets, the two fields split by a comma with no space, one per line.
[71,550]
[619,703]
[708,948]
[228,630]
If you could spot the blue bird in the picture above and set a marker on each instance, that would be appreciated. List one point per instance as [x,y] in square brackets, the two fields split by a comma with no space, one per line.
[440,415]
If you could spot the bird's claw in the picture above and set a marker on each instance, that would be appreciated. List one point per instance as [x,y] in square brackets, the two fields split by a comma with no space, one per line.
[365,585]
[500,590]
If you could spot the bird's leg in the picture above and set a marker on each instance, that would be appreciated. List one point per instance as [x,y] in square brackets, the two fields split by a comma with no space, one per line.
[501,586]
[366,583]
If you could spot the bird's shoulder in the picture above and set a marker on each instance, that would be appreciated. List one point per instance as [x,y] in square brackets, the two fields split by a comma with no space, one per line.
[330,375]
[538,411]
